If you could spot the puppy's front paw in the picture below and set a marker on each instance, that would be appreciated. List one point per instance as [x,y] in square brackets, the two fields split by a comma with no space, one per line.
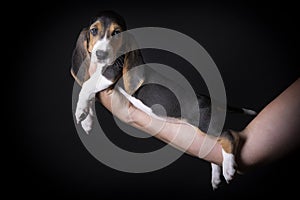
[229,166]
[82,110]
[87,123]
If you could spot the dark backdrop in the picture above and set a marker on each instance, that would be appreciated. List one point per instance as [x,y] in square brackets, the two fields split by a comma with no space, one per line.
[253,44]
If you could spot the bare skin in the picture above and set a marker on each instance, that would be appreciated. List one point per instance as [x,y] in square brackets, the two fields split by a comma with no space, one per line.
[272,134]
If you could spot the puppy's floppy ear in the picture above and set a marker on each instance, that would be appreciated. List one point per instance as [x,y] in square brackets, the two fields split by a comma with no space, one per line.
[81,58]
[133,76]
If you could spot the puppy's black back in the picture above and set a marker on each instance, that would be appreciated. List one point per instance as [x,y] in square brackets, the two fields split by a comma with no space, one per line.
[156,94]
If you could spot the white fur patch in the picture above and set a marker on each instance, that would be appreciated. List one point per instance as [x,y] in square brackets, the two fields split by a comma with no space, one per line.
[102,83]
[102,45]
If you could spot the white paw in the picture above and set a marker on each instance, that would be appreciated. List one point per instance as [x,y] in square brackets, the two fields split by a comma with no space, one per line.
[228,166]
[82,110]
[215,175]
[87,123]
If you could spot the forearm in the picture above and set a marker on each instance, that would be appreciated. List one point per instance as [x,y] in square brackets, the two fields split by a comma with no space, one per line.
[275,131]
[178,134]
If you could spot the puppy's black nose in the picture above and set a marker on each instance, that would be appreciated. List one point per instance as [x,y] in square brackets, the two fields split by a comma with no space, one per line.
[101,55]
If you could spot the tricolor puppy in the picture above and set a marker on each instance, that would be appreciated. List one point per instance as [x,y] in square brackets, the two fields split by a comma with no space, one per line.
[97,52]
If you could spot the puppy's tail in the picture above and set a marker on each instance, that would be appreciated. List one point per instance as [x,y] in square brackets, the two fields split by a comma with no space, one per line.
[249,111]
[241,110]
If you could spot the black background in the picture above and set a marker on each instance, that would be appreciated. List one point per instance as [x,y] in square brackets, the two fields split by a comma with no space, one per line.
[253,44]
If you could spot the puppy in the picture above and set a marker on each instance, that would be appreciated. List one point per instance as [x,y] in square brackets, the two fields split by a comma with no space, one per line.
[97,53]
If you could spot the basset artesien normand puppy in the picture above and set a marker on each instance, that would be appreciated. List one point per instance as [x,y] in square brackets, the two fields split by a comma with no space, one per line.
[95,53]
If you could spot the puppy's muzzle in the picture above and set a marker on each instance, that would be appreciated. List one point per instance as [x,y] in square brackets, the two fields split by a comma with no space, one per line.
[101,55]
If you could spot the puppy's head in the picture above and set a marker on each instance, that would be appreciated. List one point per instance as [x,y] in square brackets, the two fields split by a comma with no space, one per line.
[99,46]
[106,25]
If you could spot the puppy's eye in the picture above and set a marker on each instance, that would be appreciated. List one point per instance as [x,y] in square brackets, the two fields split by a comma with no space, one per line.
[115,32]
[94,31]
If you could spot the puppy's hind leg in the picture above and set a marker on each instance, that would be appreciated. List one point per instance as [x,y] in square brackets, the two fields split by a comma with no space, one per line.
[215,175]
[229,142]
